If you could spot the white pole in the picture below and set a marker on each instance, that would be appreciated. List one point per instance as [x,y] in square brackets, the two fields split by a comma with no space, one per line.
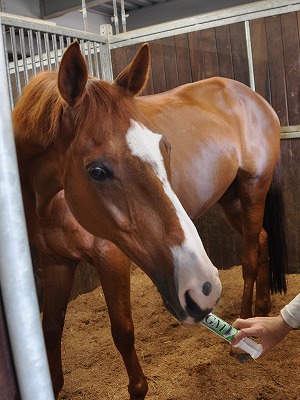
[16,275]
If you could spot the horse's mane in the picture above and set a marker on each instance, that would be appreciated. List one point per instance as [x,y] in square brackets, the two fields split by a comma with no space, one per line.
[36,116]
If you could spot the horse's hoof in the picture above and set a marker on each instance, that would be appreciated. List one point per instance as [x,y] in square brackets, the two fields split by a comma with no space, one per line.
[239,354]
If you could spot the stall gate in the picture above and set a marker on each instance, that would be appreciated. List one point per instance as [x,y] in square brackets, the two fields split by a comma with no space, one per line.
[33,46]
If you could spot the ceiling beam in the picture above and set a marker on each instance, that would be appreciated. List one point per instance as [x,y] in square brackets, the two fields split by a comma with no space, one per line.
[55,8]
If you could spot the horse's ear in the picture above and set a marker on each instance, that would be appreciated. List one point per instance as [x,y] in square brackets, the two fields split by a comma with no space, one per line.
[72,74]
[134,77]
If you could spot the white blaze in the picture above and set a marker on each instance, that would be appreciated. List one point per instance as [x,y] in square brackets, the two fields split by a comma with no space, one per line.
[191,264]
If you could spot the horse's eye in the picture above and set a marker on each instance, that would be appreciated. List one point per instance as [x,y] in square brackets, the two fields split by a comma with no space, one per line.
[99,173]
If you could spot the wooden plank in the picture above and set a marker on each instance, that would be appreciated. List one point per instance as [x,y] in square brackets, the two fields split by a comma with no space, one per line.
[210,53]
[170,62]
[291,192]
[276,65]
[224,51]
[183,59]
[131,52]
[239,53]
[157,66]
[260,58]
[196,56]
[289,23]
[119,60]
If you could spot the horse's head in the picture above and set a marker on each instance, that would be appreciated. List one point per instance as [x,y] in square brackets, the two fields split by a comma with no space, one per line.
[116,175]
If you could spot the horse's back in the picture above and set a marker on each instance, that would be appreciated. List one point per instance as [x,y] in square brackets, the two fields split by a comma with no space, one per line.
[216,127]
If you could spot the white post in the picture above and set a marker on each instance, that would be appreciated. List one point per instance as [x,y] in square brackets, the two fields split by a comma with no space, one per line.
[16,275]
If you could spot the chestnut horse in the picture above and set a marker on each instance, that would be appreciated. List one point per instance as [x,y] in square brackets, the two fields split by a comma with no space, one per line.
[97,161]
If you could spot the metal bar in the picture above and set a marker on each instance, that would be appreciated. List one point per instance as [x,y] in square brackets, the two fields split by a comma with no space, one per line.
[61,43]
[55,52]
[16,275]
[40,50]
[82,47]
[15,59]
[96,46]
[115,18]
[250,55]
[90,63]
[84,15]
[123,16]
[7,67]
[290,132]
[23,53]
[47,49]
[31,51]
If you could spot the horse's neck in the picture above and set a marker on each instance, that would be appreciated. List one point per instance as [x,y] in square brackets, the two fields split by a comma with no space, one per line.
[39,175]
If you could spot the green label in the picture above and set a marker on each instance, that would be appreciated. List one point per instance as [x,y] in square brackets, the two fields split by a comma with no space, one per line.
[220,327]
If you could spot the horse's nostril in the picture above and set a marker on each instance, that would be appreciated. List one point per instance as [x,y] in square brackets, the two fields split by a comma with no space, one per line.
[206,288]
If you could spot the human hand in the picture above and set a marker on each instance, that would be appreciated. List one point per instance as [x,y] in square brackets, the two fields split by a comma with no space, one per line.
[270,330]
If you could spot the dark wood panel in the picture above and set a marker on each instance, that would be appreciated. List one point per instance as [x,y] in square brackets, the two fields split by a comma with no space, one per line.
[118,60]
[290,150]
[183,59]
[239,53]
[131,52]
[289,24]
[224,51]
[157,66]
[276,65]
[210,53]
[260,58]
[196,56]
[170,62]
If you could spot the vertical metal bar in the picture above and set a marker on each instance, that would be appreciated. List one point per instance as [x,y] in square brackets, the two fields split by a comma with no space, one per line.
[82,46]
[40,50]
[96,46]
[31,51]
[11,96]
[68,40]
[54,46]
[90,63]
[23,53]
[47,49]
[123,16]
[61,44]
[15,59]
[84,15]
[250,55]
[115,17]
[16,276]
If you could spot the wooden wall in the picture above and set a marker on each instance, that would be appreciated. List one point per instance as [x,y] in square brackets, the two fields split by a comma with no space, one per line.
[222,51]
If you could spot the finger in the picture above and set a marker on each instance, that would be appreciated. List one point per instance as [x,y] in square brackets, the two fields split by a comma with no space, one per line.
[242,323]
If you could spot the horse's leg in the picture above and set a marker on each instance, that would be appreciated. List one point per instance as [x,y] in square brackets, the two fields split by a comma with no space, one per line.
[58,278]
[114,273]
[243,205]
[252,192]
[263,303]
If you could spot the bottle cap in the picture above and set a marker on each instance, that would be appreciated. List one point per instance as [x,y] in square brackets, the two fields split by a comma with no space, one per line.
[250,347]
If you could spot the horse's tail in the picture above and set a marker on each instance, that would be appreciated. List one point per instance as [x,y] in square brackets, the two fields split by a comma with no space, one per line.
[274,224]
